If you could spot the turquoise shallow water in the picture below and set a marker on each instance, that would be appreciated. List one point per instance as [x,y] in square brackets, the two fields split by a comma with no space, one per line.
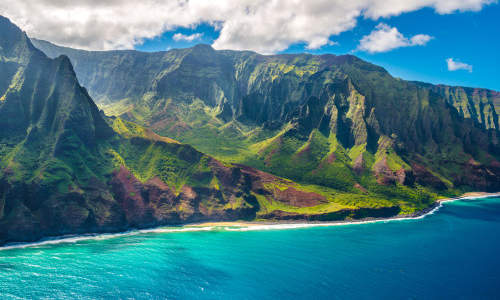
[453,253]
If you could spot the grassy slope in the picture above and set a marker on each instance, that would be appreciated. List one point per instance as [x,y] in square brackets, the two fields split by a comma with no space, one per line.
[315,159]
[147,162]
[307,162]
[313,173]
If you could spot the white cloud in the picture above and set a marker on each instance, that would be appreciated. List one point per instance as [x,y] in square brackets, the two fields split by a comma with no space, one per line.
[385,8]
[454,65]
[262,25]
[320,42]
[420,39]
[385,38]
[189,38]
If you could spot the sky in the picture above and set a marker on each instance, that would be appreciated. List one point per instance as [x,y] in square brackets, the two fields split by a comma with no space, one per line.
[453,42]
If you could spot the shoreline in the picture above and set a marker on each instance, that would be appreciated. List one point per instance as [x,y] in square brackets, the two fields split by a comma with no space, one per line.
[245,226]
[414,216]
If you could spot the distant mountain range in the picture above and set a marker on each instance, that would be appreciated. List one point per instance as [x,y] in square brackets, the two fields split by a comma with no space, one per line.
[334,121]
[289,137]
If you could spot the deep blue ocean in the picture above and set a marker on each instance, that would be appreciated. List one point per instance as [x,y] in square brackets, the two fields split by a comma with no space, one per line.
[451,254]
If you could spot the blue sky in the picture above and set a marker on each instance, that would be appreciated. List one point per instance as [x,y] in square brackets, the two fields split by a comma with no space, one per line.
[469,37]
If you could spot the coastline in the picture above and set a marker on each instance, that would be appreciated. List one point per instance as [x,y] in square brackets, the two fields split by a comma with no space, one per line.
[244,225]
[470,195]
[417,215]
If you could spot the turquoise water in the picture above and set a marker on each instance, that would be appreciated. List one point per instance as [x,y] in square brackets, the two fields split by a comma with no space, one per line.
[453,253]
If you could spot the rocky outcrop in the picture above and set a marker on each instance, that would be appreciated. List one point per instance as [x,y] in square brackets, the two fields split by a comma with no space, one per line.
[480,105]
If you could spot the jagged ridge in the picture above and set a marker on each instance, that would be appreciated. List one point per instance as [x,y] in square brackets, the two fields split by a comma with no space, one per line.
[65,168]
[335,121]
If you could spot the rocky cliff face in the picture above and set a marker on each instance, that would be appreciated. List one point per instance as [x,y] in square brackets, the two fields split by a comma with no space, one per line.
[336,121]
[356,141]
[480,105]
[66,169]
[230,76]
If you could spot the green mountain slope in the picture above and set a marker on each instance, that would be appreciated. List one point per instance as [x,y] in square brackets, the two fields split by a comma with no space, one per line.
[333,121]
[107,74]
[65,168]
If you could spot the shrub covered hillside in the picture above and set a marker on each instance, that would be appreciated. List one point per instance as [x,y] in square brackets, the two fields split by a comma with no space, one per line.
[66,168]
[331,121]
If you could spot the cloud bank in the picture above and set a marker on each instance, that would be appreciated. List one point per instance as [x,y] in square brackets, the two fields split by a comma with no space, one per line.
[454,65]
[385,38]
[265,26]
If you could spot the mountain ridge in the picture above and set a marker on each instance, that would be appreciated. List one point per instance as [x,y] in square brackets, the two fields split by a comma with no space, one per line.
[49,47]
[341,138]
[325,60]
[65,168]
[271,111]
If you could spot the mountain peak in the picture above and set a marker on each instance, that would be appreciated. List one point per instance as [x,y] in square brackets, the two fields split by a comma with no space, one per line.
[65,107]
[6,22]
[10,35]
[203,47]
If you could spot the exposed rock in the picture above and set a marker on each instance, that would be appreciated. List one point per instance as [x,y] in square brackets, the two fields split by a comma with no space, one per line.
[294,197]
[426,178]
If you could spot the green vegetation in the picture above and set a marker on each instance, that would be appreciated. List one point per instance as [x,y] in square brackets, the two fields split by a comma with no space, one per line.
[338,137]
[331,121]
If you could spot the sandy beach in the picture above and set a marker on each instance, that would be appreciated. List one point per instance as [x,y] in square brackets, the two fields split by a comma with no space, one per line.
[470,195]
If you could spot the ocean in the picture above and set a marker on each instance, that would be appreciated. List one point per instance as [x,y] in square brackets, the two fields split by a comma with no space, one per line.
[453,253]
